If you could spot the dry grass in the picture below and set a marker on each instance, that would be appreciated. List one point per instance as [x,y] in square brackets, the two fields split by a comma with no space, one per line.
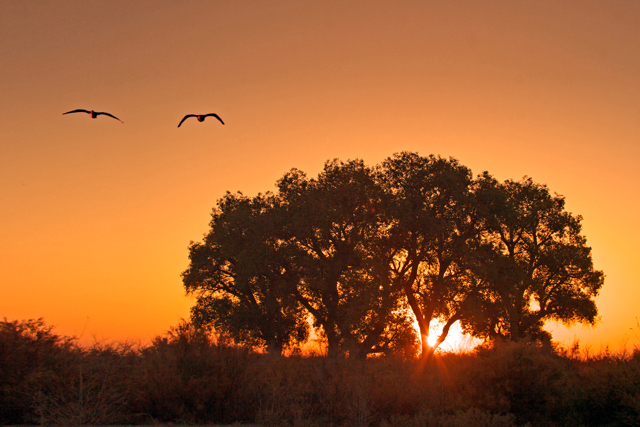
[189,379]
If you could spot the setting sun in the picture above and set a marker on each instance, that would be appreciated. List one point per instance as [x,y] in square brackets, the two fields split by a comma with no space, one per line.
[456,341]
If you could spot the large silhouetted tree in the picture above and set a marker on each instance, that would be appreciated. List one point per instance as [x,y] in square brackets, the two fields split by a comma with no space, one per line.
[238,278]
[356,251]
[535,264]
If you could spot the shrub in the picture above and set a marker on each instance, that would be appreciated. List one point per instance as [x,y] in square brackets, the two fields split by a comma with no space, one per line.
[609,390]
[31,356]
[526,379]
[187,377]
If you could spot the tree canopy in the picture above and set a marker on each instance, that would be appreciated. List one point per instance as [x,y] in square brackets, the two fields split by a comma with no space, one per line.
[534,265]
[237,274]
[337,229]
[359,254]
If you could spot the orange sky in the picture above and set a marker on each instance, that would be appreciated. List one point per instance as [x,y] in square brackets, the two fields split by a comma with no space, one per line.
[96,216]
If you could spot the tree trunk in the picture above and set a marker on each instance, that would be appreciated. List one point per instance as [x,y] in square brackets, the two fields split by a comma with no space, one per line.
[425,349]
[274,348]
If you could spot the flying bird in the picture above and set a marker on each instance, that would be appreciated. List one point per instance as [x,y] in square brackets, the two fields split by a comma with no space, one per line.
[93,114]
[200,117]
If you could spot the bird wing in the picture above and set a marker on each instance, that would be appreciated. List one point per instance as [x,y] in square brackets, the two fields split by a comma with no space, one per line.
[185,118]
[76,111]
[216,116]
[110,115]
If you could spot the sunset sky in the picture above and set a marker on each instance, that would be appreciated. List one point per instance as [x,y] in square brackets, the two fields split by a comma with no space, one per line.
[96,216]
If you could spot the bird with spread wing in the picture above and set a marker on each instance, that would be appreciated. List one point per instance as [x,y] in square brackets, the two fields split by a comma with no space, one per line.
[93,114]
[200,117]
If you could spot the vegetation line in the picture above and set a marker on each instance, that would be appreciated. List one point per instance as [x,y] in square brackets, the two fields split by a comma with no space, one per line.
[188,377]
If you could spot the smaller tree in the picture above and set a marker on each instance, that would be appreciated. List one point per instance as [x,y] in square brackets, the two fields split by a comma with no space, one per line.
[534,265]
[335,230]
[237,276]
[434,231]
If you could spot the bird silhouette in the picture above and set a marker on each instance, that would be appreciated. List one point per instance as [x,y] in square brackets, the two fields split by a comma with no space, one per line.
[93,114]
[200,117]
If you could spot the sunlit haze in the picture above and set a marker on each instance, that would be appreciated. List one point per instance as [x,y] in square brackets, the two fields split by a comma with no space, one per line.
[97,215]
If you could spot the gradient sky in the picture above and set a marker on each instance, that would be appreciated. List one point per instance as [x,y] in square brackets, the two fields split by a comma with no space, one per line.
[96,216]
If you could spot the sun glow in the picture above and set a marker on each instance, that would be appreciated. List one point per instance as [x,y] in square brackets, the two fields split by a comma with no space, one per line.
[456,340]
[432,340]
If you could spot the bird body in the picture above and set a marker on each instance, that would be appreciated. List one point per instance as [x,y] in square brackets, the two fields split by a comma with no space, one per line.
[200,117]
[93,114]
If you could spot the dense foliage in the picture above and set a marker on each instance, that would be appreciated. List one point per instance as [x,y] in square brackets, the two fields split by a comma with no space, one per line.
[188,377]
[360,253]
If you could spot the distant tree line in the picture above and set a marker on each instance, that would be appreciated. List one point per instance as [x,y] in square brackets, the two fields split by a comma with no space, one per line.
[360,253]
